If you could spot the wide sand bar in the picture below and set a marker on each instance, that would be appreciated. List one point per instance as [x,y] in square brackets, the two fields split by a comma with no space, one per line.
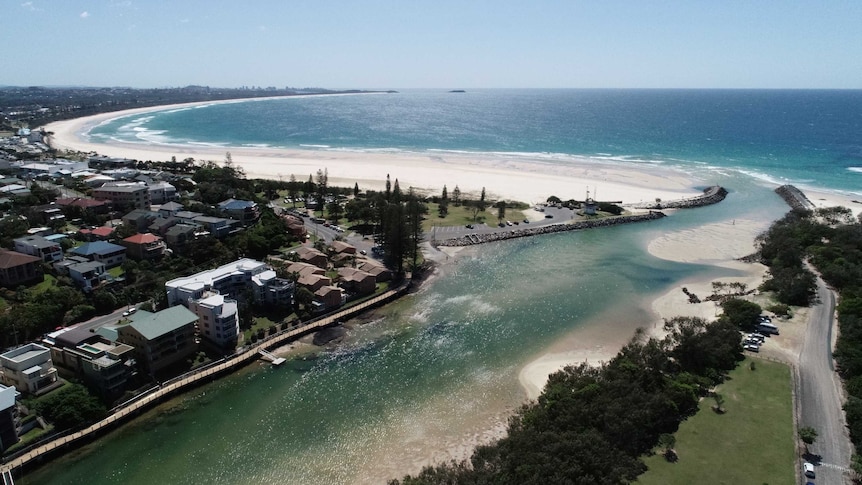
[507,176]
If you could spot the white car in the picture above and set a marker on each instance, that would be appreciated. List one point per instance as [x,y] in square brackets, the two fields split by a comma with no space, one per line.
[808,469]
[129,311]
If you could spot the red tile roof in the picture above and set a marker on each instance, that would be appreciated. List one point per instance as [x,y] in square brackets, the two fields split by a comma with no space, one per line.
[142,238]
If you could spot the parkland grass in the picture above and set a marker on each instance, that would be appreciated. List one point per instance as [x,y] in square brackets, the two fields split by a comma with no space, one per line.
[752,442]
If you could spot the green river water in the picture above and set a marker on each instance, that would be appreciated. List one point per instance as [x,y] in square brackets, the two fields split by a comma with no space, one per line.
[431,375]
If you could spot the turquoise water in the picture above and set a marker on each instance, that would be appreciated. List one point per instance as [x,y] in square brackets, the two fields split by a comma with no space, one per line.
[431,369]
[809,138]
[434,372]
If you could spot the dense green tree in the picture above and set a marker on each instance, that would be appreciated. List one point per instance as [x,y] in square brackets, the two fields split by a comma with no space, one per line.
[742,314]
[70,407]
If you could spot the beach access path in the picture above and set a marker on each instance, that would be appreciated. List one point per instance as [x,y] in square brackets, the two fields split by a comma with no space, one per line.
[128,410]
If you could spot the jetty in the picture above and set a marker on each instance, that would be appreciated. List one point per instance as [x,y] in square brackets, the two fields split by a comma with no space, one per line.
[273,359]
[71,439]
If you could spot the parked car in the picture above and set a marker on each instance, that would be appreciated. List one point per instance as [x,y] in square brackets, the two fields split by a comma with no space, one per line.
[526,221]
[469,226]
[808,469]
[751,348]
[549,216]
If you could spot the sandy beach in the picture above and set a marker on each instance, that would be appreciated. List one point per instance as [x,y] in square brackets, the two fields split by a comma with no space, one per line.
[504,176]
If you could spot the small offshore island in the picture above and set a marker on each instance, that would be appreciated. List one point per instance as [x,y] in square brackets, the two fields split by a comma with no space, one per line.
[222,269]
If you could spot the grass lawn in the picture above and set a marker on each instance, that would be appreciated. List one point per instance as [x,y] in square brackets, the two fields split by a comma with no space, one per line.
[48,282]
[462,215]
[116,271]
[753,442]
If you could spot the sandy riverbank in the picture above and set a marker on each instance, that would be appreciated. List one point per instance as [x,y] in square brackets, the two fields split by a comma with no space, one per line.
[504,176]
[719,244]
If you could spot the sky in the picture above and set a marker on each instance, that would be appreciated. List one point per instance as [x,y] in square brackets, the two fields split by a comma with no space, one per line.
[392,44]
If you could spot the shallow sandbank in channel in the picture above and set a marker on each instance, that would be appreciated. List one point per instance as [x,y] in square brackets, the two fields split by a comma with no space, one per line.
[719,244]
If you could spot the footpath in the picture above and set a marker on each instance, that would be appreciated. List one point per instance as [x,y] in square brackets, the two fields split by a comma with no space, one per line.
[123,413]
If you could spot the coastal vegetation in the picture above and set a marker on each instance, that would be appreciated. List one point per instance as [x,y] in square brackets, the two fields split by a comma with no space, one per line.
[830,240]
[592,425]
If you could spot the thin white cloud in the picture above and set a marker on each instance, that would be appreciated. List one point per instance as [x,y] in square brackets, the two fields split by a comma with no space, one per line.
[262,28]
[29,6]
[85,14]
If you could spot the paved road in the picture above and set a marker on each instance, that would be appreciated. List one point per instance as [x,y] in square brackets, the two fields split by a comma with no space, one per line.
[820,396]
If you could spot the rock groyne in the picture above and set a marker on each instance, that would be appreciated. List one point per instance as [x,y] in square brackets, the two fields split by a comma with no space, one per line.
[711,195]
[472,239]
[794,197]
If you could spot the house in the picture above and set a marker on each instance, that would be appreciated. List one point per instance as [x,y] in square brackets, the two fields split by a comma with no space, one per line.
[179,235]
[144,246]
[218,227]
[126,194]
[313,282]
[161,225]
[19,269]
[301,268]
[295,226]
[97,234]
[187,217]
[312,256]
[91,205]
[28,368]
[381,273]
[244,211]
[105,252]
[170,209]
[218,319]
[8,417]
[161,192]
[232,279]
[341,247]
[88,275]
[329,297]
[139,219]
[160,339]
[40,247]
[357,281]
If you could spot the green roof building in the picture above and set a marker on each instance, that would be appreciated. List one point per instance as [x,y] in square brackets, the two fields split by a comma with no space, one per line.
[160,339]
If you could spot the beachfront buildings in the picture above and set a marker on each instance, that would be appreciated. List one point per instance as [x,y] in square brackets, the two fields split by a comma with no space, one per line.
[28,368]
[8,417]
[234,279]
[105,367]
[218,319]
[160,339]
[19,269]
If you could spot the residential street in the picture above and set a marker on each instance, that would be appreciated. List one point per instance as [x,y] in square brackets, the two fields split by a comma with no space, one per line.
[820,394]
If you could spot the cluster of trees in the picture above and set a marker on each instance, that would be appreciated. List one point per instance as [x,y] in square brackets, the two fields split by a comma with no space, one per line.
[591,425]
[783,248]
[70,407]
[831,240]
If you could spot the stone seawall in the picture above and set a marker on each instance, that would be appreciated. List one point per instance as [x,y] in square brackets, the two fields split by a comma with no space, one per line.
[472,239]
[712,195]
[794,197]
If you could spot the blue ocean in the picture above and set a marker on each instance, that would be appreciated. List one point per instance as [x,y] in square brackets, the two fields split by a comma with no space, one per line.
[812,138]
[427,378]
